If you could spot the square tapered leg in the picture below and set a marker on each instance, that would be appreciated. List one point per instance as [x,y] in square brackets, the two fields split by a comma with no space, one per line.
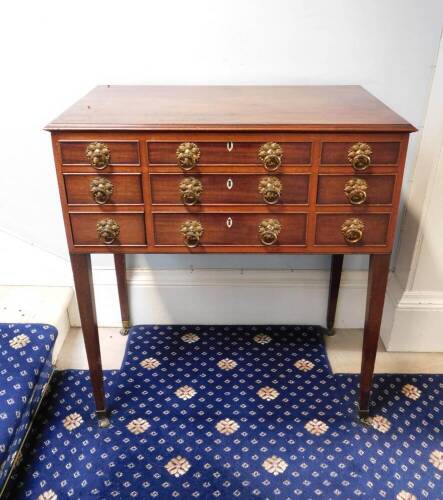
[122,285]
[377,281]
[334,286]
[81,268]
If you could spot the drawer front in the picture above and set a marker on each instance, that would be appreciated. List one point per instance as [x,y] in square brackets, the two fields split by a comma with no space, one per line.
[120,153]
[131,228]
[117,189]
[331,189]
[329,229]
[224,153]
[236,229]
[230,189]
[382,153]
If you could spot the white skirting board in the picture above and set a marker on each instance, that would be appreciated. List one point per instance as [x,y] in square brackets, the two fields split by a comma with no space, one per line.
[224,296]
[211,296]
[412,320]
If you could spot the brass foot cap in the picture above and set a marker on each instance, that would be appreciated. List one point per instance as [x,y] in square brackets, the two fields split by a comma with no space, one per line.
[103,420]
[330,332]
[125,328]
[363,416]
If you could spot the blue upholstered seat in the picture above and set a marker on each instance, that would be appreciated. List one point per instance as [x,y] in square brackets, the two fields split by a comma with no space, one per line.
[25,368]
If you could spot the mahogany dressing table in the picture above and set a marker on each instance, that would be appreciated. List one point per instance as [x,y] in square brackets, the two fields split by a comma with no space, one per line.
[270,170]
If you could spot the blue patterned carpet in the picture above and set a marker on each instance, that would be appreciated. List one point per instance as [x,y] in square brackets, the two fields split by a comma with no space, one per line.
[234,411]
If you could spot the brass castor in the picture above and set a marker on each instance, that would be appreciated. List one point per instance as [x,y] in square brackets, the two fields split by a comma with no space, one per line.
[364,418]
[103,420]
[125,328]
[330,332]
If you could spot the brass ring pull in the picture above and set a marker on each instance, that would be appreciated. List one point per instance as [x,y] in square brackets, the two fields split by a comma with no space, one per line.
[270,188]
[192,231]
[101,190]
[270,154]
[355,191]
[359,155]
[352,230]
[98,155]
[190,190]
[269,229]
[188,155]
[108,230]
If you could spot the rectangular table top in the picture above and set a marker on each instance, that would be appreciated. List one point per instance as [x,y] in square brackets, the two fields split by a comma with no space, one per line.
[288,108]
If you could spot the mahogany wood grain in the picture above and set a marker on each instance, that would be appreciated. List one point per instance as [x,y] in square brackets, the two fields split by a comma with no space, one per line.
[242,153]
[106,209]
[336,153]
[377,280]
[263,208]
[334,286]
[110,169]
[327,108]
[231,249]
[328,229]
[81,268]
[244,190]
[127,189]
[244,230]
[146,182]
[380,190]
[122,152]
[232,169]
[310,219]
[132,228]
[348,170]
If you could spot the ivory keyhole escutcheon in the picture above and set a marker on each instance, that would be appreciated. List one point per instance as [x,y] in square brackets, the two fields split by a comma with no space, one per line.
[229,222]
[230,146]
[229,183]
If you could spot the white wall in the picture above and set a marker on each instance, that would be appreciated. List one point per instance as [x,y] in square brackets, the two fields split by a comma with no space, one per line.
[54,52]
[413,312]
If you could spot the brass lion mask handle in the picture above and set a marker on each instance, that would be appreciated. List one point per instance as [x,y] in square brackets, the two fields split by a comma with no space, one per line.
[268,230]
[359,155]
[270,188]
[192,231]
[356,191]
[188,155]
[190,190]
[108,230]
[101,190]
[352,230]
[98,155]
[270,154]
